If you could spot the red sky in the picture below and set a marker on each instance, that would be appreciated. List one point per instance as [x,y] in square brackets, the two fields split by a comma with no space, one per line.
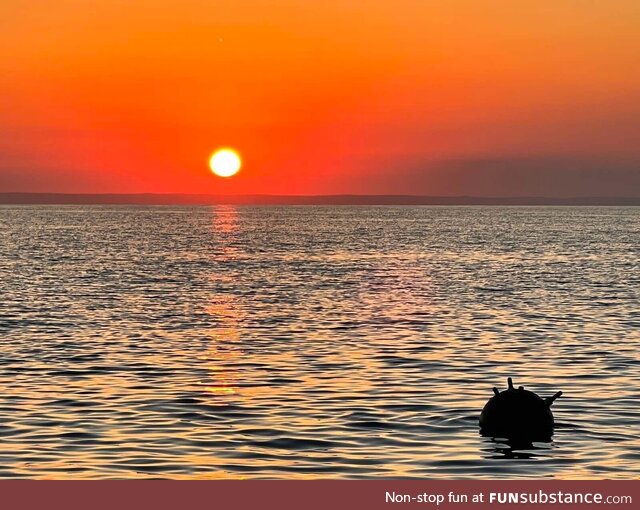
[474,97]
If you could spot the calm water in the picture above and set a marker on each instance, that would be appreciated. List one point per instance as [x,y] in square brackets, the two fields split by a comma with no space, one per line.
[341,342]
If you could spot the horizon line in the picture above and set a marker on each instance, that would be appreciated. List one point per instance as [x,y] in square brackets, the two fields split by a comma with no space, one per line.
[150,198]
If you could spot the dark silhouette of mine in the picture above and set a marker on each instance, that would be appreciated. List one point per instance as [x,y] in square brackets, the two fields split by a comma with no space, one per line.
[518,415]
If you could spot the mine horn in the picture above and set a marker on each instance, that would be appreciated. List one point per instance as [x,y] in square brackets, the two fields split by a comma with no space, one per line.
[551,400]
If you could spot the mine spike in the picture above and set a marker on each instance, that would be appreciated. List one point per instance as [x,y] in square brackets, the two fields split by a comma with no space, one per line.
[510,382]
[496,391]
[551,400]
[521,388]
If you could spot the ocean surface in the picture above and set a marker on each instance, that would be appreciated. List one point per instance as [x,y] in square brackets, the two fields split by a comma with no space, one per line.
[314,342]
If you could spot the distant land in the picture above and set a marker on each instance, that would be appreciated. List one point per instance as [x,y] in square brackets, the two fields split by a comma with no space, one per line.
[204,199]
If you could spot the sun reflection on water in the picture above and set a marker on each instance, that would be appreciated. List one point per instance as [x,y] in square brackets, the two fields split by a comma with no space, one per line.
[223,351]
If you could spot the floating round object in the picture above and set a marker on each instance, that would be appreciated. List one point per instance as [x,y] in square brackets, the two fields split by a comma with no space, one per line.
[518,415]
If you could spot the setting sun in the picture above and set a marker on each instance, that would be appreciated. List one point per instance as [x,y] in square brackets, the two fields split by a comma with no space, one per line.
[225,162]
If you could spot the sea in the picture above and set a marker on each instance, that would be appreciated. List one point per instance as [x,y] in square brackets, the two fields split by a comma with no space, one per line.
[315,341]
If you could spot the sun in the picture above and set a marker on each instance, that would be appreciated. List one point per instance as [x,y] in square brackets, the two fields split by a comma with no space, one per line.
[225,162]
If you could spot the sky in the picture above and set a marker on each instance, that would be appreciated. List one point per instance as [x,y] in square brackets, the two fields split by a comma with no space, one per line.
[456,97]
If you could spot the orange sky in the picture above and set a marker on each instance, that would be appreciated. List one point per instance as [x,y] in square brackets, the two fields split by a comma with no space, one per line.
[485,97]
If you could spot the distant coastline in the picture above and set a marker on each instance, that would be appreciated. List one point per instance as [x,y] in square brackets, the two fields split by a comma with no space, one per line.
[209,199]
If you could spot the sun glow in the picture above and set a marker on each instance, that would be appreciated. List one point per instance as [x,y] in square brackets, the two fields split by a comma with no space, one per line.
[225,162]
